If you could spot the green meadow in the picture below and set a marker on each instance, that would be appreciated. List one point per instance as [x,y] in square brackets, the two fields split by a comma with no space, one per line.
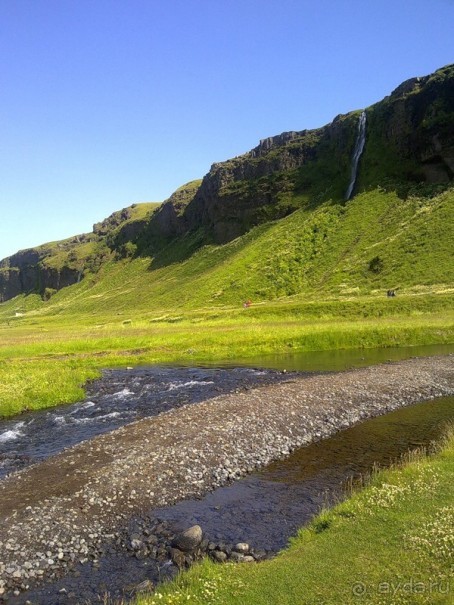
[155,286]
[317,281]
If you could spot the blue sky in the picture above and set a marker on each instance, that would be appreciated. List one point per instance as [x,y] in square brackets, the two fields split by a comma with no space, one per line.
[105,102]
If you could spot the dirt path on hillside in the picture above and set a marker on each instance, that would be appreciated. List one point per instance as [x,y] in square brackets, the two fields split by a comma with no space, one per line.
[59,512]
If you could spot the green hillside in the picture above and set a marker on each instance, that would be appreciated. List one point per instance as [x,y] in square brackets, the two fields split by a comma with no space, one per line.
[167,282]
[376,242]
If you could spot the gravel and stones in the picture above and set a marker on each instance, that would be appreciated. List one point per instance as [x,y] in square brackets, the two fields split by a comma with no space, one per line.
[64,511]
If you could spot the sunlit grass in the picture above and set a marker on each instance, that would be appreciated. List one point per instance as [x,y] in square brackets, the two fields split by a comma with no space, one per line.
[46,361]
[391,543]
[308,277]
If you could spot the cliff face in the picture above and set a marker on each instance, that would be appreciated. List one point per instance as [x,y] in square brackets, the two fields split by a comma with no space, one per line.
[411,133]
[409,142]
[27,271]
[260,185]
[409,139]
[53,266]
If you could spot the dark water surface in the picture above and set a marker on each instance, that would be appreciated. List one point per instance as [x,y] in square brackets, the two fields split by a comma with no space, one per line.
[341,359]
[264,509]
[120,397]
[123,396]
[268,507]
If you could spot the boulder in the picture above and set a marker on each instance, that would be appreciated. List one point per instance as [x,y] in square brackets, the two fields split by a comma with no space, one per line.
[189,540]
[218,556]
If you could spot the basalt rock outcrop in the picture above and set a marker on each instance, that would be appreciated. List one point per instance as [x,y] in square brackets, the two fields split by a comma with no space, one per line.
[409,139]
[50,267]
[26,272]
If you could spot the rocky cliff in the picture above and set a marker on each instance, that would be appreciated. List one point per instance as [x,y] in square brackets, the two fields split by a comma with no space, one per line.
[409,143]
[410,139]
[50,267]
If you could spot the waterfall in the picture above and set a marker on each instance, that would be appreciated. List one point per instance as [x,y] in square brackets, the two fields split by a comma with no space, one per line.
[359,148]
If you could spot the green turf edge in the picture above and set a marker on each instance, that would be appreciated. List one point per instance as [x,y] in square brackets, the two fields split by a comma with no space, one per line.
[390,543]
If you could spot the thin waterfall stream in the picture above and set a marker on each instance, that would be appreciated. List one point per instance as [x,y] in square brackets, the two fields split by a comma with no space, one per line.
[359,148]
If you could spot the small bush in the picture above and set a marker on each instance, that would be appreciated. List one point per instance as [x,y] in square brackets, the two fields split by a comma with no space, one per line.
[376,265]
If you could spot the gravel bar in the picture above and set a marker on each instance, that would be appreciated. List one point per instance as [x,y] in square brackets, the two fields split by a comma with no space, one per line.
[60,512]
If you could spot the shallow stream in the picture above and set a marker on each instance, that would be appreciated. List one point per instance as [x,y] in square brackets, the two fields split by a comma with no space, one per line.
[264,509]
[123,396]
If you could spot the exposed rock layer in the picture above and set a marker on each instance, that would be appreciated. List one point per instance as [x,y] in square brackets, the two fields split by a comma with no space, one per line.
[409,139]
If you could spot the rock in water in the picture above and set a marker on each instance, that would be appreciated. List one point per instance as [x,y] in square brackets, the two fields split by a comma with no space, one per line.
[178,557]
[189,540]
[219,556]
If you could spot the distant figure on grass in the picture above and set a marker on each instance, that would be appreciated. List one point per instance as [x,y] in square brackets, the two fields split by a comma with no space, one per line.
[391,293]
[247,304]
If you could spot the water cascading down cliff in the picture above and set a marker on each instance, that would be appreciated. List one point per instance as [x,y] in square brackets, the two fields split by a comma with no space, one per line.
[359,148]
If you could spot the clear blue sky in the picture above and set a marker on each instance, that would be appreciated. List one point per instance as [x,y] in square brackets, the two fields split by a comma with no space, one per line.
[105,102]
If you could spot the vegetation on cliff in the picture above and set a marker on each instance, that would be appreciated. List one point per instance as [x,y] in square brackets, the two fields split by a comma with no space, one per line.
[409,154]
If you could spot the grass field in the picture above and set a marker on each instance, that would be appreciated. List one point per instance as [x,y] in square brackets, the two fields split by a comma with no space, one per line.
[45,360]
[317,280]
[390,544]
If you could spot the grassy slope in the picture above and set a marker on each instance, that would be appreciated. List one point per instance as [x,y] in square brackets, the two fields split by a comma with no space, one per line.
[307,275]
[325,252]
[390,544]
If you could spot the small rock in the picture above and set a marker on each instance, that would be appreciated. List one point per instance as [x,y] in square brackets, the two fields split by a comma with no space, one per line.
[241,547]
[178,557]
[219,556]
[145,586]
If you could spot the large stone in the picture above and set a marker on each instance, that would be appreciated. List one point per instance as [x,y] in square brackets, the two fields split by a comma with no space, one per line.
[219,556]
[242,547]
[189,540]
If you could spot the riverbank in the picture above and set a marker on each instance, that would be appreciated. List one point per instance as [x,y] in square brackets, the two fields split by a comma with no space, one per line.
[62,511]
[46,360]
[390,543]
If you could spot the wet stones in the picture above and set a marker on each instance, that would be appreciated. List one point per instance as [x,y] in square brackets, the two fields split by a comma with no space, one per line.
[193,449]
[219,556]
[155,539]
[179,558]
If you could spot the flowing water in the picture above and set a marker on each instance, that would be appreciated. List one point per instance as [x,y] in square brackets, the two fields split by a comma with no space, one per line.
[120,397]
[265,508]
[123,396]
[268,507]
[359,148]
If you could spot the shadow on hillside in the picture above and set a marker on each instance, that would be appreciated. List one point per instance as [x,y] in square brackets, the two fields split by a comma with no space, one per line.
[177,250]
[181,249]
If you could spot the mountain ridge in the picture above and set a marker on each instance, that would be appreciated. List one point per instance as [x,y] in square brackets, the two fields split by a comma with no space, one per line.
[409,147]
